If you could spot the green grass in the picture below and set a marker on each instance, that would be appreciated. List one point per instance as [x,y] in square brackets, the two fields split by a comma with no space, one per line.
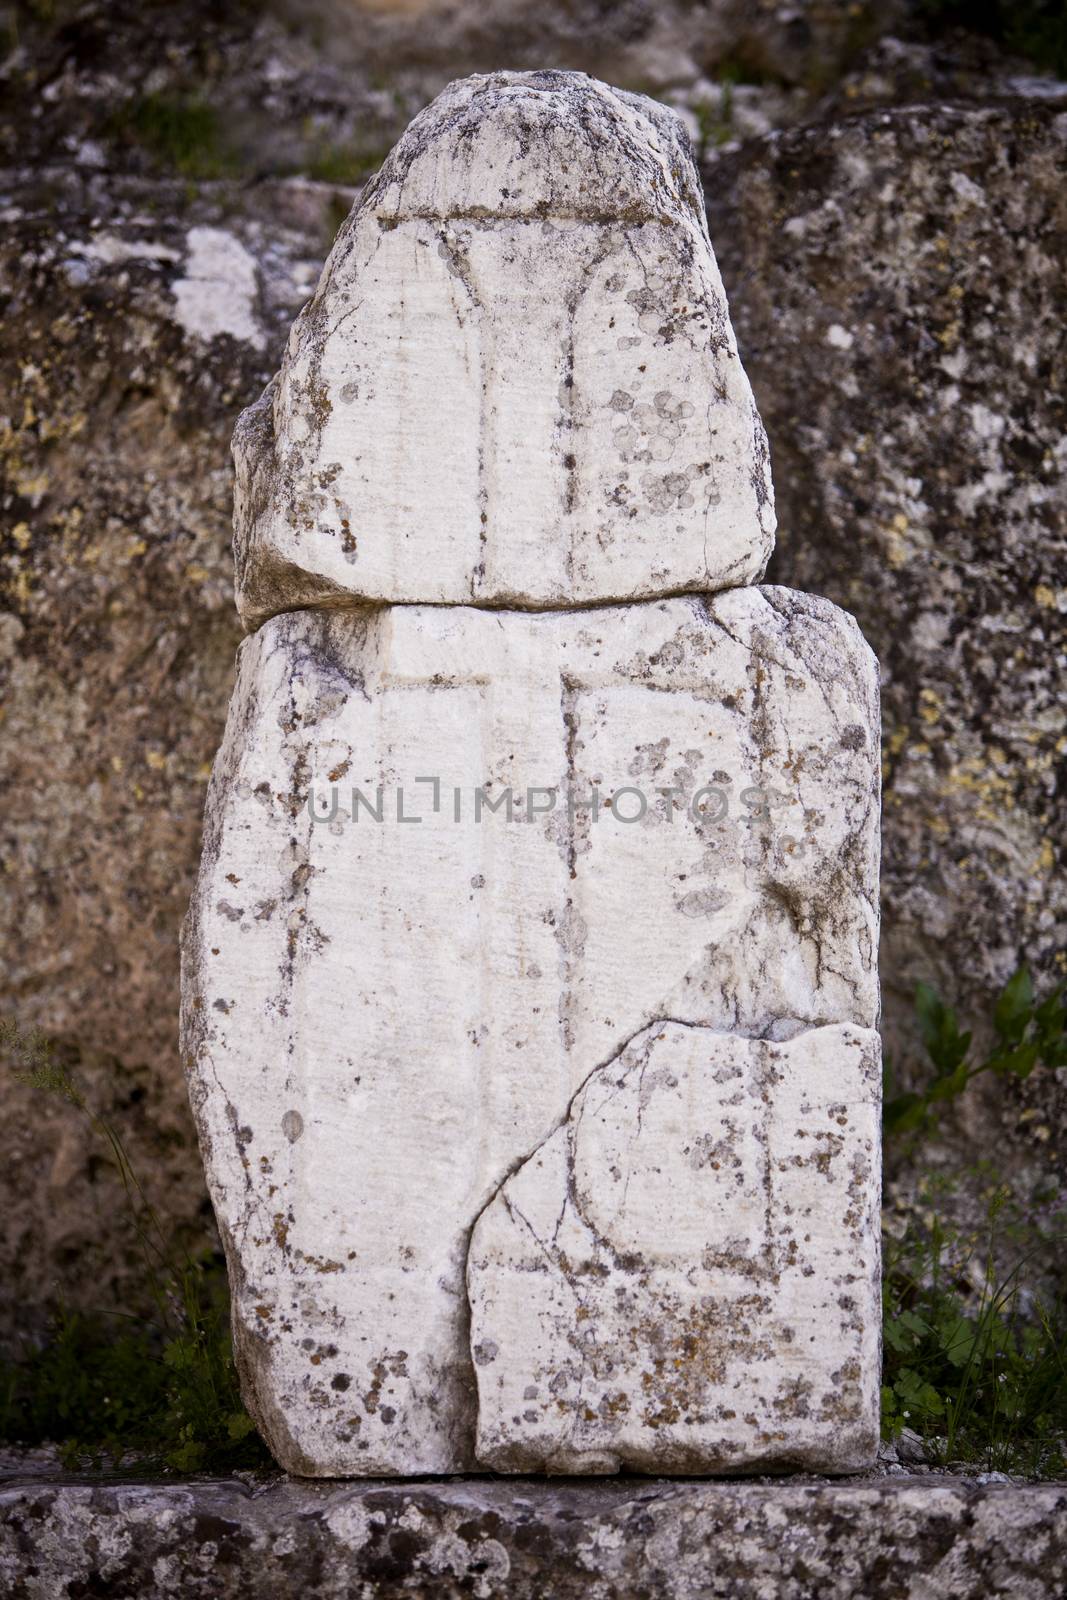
[975,1360]
[179,134]
[115,1386]
[715,122]
[975,1340]
[185,135]
[344,164]
[163,1385]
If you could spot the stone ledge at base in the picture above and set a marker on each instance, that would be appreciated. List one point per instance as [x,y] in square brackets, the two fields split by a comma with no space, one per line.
[928,1537]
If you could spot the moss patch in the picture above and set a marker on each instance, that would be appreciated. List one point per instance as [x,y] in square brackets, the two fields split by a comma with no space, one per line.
[178,134]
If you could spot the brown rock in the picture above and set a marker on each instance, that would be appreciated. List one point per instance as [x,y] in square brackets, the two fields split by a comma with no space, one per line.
[116,648]
[896,281]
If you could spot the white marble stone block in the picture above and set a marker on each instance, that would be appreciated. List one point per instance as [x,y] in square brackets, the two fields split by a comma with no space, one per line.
[382,1018]
[684,1277]
[516,383]
[530,979]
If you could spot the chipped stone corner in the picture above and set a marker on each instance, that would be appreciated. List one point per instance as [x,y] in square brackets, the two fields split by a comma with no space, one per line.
[600,440]
[260,1389]
[684,1275]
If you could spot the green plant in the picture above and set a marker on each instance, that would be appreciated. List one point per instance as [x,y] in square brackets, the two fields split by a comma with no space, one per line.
[165,1385]
[715,124]
[1025,1035]
[974,1344]
[346,164]
[974,1360]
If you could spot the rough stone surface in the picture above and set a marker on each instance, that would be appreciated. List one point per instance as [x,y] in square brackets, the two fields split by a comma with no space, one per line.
[897,285]
[516,382]
[326,86]
[686,1272]
[98,863]
[120,378]
[363,999]
[932,1538]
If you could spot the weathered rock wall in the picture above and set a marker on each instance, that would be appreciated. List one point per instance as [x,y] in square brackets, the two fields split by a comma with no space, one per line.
[131,341]
[896,281]
[893,281]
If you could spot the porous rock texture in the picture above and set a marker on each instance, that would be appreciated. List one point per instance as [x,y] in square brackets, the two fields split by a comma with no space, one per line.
[929,1538]
[897,281]
[516,382]
[330,964]
[122,375]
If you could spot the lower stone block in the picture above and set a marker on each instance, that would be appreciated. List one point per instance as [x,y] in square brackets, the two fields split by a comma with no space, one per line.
[684,1276]
[392,993]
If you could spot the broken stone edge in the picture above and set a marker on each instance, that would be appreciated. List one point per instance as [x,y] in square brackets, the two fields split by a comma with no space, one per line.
[652,155]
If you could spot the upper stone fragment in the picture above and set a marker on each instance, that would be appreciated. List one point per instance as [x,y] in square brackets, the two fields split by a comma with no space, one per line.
[516,383]
[531,145]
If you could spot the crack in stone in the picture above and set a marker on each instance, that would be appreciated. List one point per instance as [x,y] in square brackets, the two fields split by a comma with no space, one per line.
[682,1374]
[571,1195]
[338,601]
